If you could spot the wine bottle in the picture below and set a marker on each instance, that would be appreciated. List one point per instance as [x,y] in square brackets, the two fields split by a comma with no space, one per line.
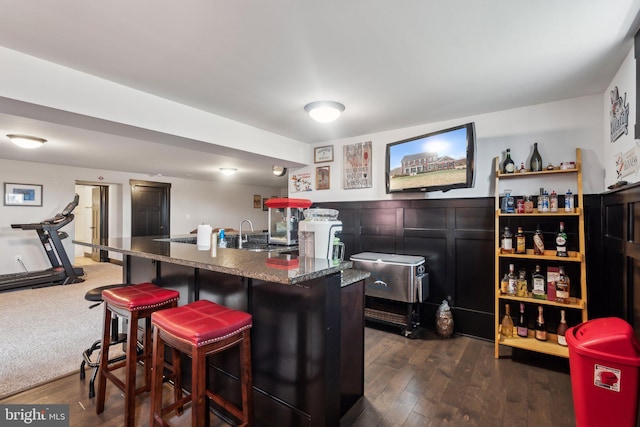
[538,242]
[521,325]
[520,242]
[561,242]
[507,322]
[562,329]
[508,166]
[563,287]
[536,159]
[506,246]
[538,283]
[541,328]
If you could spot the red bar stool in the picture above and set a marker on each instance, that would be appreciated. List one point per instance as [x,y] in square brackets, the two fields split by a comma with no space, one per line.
[133,303]
[200,329]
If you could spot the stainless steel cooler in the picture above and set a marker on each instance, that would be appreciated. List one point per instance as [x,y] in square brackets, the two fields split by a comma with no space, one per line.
[398,283]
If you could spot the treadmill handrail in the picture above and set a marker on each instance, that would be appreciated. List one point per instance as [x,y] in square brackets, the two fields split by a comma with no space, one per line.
[61,219]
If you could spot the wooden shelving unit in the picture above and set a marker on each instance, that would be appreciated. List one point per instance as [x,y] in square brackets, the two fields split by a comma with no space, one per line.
[576,258]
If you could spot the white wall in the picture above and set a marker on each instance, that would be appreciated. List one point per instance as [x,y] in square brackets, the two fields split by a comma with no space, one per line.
[625,147]
[559,128]
[192,203]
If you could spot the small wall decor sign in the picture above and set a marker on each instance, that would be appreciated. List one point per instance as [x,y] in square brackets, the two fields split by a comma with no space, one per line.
[22,194]
[323,178]
[357,165]
[619,115]
[257,201]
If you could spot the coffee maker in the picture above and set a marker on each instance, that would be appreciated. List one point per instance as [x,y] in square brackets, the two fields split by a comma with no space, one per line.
[318,235]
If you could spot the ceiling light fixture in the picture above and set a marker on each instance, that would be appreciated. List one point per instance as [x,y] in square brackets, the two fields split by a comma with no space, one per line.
[26,141]
[279,170]
[324,111]
[228,171]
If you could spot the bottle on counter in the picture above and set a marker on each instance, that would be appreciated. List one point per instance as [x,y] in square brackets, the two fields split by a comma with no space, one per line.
[561,242]
[538,241]
[507,322]
[522,326]
[508,166]
[520,242]
[536,159]
[568,201]
[541,328]
[506,245]
[562,329]
[538,284]
[563,287]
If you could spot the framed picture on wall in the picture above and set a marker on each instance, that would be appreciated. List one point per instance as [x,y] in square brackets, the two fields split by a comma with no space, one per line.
[22,194]
[257,201]
[323,154]
[323,178]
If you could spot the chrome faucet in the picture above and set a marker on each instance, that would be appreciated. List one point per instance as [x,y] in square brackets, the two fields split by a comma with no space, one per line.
[240,232]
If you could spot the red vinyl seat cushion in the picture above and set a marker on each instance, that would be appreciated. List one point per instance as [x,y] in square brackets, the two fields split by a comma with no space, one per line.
[139,297]
[201,322]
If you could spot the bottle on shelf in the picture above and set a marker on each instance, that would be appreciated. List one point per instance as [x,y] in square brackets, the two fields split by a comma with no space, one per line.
[513,281]
[504,284]
[538,241]
[522,168]
[545,202]
[562,329]
[508,166]
[563,287]
[508,202]
[541,328]
[538,284]
[536,159]
[522,326]
[520,242]
[507,322]
[523,287]
[506,245]
[561,242]
[553,201]
[568,201]
[528,204]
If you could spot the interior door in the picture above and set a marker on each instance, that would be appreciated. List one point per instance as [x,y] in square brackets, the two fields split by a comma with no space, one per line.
[99,221]
[150,208]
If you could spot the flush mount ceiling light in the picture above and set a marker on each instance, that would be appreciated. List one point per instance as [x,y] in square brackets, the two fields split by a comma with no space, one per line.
[278,170]
[324,111]
[228,171]
[26,141]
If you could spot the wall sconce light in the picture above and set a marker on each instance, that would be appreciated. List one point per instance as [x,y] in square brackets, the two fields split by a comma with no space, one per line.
[279,170]
[324,111]
[228,171]
[26,141]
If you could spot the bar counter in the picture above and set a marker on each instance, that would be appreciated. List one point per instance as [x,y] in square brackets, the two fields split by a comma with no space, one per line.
[308,322]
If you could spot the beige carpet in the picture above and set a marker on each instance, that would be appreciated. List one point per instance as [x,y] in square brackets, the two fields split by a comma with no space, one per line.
[44,331]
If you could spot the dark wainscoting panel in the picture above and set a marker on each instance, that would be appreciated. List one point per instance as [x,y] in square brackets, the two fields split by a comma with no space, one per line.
[456,237]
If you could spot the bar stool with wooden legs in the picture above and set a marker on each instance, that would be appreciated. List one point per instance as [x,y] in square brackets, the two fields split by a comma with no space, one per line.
[133,303]
[200,329]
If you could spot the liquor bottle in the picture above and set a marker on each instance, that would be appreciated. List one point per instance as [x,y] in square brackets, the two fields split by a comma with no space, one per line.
[507,322]
[545,202]
[561,242]
[508,203]
[562,329]
[553,201]
[568,201]
[508,166]
[521,325]
[563,287]
[522,168]
[513,281]
[538,242]
[506,246]
[536,159]
[538,284]
[523,287]
[520,242]
[504,284]
[541,328]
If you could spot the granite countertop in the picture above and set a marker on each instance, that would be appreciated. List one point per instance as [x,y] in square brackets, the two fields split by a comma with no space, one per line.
[271,266]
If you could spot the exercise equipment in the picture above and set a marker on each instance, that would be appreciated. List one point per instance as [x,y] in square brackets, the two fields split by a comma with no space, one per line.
[61,271]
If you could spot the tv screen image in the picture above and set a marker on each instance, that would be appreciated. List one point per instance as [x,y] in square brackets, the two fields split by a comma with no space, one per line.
[437,161]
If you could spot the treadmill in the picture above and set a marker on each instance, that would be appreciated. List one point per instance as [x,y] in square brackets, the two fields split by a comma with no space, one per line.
[61,271]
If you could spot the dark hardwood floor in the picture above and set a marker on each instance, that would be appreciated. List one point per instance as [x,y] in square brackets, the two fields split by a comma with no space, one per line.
[421,382]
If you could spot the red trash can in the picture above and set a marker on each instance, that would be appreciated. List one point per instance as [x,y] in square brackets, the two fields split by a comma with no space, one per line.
[604,359]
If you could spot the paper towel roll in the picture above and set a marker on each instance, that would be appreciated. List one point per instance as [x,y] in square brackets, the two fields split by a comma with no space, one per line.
[204,236]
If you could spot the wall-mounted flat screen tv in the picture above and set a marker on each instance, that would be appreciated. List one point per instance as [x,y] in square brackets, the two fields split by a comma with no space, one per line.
[438,161]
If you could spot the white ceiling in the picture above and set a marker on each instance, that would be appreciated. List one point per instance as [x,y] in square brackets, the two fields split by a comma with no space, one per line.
[393,64]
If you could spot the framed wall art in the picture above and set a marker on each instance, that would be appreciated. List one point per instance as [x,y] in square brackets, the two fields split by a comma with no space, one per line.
[323,154]
[257,201]
[22,194]
[357,165]
[323,178]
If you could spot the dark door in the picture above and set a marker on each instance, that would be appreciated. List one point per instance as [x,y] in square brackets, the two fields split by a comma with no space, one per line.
[149,208]
[99,221]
